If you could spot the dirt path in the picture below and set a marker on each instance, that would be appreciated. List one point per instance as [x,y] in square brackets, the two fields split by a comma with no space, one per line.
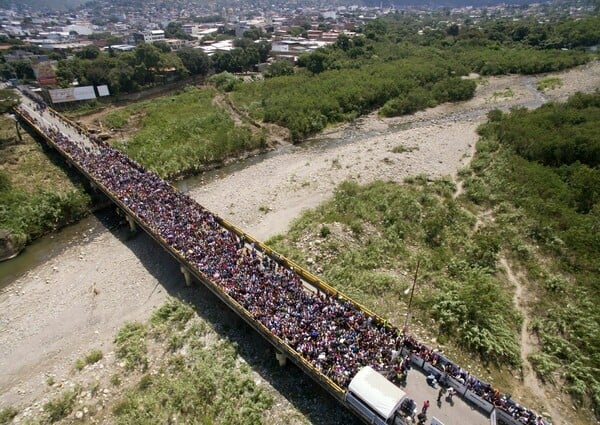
[528,346]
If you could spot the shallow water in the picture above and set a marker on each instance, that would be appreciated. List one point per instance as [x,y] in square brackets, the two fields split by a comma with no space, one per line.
[52,245]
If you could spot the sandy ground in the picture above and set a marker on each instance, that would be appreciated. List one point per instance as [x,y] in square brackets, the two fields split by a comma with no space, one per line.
[76,301]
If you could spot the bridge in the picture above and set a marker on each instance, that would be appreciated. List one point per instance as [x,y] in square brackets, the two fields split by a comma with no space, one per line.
[325,333]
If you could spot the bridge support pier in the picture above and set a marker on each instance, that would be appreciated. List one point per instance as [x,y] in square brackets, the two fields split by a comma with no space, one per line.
[18,128]
[132,223]
[186,275]
[281,358]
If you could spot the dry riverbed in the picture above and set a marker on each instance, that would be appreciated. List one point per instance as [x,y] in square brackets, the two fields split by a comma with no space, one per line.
[75,302]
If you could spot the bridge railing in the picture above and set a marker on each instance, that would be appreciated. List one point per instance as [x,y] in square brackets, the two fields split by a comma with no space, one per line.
[280,345]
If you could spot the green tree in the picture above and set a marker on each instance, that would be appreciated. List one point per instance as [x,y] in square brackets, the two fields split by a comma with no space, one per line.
[8,99]
[279,68]
[175,30]
[195,60]
[88,52]
[148,55]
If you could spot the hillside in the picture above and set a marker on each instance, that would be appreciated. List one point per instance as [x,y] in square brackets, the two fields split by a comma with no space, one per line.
[508,268]
[42,4]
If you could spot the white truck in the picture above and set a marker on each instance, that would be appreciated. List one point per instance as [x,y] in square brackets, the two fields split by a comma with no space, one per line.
[377,401]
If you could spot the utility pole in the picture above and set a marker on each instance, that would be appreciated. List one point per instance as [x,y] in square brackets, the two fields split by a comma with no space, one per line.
[412,292]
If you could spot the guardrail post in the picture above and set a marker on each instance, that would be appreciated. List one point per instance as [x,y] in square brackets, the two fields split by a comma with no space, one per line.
[186,275]
[281,358]
[132,223]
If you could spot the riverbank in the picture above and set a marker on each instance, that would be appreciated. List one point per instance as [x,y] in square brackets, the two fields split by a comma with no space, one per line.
[75,301]
[37,195]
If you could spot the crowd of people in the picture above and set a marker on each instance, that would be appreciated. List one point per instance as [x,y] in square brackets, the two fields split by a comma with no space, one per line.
[482,389]
[330,332]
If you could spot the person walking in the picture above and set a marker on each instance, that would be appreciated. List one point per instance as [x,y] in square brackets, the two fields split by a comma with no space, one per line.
[441,393]
[425,407]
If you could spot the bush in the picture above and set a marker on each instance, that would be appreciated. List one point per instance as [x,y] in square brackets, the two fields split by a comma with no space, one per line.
[117,119]
[174,313]
[549,83]
[225,81]
[543,183]
[453,90]
[60,407]
[7,414]
[410,103]
[93,357]
[131,346]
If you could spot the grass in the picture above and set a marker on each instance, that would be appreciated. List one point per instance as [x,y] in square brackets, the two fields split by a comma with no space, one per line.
[182,133]
[117,119]
[197,382]
[93,356]
[84,108]
[403,149]
[7,414]
[79,364]
[115,380]
[36,194]
[131,346]
[61,407]
[546,212]
[383,229]
[549,83]
[506,93]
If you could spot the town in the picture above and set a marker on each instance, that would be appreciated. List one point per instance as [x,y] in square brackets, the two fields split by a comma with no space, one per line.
[39,46]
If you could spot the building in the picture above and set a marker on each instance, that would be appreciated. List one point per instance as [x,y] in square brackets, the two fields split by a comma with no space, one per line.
[152,36]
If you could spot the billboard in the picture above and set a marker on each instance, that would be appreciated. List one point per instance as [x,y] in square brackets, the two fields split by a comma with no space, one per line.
[103,90]
[72,94]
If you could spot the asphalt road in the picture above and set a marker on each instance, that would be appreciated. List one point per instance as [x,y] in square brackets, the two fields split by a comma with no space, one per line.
[458,412]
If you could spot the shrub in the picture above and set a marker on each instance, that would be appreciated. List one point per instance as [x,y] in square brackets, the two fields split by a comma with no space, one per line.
[93,356]
[225,81]
[173,312]
[79,364]
[549,83]
[131,345]
[60,407]
[115,380]
[7,414]
[117,119]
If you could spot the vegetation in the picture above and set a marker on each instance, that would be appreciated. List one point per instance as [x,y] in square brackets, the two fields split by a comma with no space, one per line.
[539,172]
[549,83]
[198,382]
[8,99]
[93,356]
[7,414]
[297,101]
[393,68]
[146,66]
[384,228]
[131,346]
[199,133]
[62,406]
[36,194]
